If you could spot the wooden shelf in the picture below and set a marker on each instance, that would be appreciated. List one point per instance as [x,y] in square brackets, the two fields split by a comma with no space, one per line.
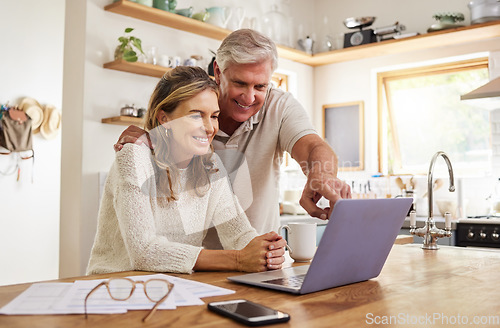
[137,68]
[425,41]
[165,18]
[124,120]
[437,39]
[179,22]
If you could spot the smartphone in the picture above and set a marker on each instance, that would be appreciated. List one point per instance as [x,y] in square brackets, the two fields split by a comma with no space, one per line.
[249,313]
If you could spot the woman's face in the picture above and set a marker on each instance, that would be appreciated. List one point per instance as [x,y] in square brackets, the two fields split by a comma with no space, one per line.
[192,126]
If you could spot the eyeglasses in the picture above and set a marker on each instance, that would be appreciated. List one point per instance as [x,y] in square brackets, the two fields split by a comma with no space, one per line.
[121,289]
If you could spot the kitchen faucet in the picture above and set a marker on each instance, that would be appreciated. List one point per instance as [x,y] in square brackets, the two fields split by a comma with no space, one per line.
[430,232]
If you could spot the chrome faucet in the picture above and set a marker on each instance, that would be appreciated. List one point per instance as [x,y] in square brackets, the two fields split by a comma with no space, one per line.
[430,232]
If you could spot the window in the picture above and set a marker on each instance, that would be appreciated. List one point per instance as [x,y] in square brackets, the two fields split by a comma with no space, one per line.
[420,113]
[280,81]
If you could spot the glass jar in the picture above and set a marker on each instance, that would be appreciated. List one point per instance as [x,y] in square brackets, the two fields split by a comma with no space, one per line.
[275,26]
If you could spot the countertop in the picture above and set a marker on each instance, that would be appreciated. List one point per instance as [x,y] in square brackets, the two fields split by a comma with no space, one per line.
[406,225]
[450,287]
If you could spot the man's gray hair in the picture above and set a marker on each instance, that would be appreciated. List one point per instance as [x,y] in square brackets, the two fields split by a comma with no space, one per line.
[246,46]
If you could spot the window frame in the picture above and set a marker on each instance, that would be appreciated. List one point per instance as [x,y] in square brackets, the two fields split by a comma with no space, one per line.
[383,99]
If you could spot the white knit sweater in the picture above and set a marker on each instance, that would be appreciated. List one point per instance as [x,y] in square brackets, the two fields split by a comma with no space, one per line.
[136,231]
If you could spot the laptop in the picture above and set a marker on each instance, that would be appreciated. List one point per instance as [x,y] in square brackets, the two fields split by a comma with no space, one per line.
[354,247]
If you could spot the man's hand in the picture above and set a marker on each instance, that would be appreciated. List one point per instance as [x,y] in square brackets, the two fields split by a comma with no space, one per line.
[323,184]
[319,162]
[133,134]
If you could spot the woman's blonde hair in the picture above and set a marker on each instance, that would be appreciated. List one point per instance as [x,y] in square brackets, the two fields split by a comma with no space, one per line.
[177,85]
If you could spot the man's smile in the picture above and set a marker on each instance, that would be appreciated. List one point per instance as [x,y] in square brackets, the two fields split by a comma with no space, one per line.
[242,106]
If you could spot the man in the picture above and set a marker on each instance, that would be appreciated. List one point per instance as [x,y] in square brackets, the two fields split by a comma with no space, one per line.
[257,124]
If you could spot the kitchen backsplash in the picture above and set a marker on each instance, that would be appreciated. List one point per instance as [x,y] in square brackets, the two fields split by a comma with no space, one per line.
[474,196]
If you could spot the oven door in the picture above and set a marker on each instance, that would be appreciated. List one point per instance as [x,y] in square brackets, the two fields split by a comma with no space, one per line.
[478,234]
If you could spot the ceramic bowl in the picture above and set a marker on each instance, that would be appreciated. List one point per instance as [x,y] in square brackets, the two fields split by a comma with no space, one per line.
[201,16]
[187,12]
[359,22]
[447,205]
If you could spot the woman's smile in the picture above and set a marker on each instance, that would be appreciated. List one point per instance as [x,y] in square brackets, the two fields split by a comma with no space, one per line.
[192,126]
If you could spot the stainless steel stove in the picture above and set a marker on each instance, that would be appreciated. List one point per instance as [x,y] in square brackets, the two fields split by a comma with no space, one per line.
[478,232]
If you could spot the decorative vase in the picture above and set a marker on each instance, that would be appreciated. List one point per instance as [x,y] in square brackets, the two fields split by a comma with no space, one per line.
[167,5]
[219,16]
[275,26]
[119,54]
[148,3]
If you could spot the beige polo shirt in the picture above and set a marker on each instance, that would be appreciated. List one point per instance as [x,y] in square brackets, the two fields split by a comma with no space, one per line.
[253,155]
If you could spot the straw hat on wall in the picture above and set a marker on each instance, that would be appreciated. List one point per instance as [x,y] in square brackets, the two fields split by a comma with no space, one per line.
[33,109]
[51,122]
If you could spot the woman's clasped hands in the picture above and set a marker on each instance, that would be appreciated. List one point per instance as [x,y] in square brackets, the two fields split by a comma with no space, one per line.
[264,252]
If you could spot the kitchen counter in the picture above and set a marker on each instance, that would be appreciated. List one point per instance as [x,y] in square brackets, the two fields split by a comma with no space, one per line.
[450,287]
[285,219]
[405,229]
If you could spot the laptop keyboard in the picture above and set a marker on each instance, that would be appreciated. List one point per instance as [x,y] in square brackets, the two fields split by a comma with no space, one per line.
[293,282]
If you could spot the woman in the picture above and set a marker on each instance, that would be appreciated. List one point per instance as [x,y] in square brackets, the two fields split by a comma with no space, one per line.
[157,205]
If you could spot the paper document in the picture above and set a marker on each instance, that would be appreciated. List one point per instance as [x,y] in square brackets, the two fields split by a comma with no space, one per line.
[200,289]
[42,298]
[68,298]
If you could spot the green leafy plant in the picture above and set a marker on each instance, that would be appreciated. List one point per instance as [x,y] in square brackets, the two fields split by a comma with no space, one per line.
[128,47]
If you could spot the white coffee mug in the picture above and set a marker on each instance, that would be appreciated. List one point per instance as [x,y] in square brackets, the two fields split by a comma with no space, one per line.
[165,61]
[301,240]
[176,61]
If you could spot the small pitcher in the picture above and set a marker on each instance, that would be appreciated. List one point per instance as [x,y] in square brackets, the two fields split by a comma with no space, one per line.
[219,16]
[306,44]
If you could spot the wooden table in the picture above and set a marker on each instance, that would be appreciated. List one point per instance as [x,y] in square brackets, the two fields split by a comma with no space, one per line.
[416,288]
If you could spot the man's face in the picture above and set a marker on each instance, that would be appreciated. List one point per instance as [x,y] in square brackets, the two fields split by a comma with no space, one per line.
[243,89]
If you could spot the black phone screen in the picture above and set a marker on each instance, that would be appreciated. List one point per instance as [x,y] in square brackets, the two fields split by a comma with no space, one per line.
[248,312]
[247,309]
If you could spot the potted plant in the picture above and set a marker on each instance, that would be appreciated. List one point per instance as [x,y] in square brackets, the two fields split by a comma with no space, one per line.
[128,47]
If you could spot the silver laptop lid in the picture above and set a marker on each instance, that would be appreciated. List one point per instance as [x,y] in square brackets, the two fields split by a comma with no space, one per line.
[354,247]
[356,242]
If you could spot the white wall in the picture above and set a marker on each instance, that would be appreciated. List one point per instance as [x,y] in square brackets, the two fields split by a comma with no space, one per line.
[32,55]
